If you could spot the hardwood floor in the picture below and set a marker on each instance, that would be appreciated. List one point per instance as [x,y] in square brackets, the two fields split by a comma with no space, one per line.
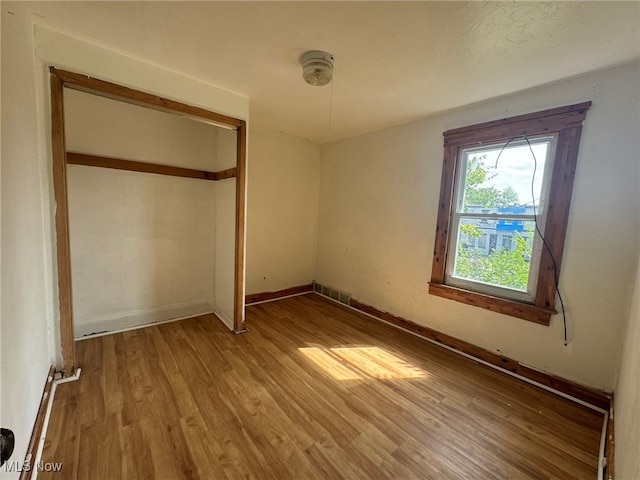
[314,390]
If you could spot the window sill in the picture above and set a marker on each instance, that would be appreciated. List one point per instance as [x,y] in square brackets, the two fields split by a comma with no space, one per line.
[513,308]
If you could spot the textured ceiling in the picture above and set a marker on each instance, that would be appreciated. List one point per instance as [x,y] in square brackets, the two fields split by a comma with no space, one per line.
[394,61]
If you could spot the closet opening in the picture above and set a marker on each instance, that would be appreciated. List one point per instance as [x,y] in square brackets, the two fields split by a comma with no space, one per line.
[149,209]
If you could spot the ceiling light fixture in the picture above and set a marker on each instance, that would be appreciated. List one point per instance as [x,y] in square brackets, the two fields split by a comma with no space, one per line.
[317,67]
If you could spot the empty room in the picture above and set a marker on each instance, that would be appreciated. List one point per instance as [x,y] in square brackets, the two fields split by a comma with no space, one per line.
[320,240]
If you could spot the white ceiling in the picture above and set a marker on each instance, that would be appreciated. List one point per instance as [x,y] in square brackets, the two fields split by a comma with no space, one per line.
[394,61]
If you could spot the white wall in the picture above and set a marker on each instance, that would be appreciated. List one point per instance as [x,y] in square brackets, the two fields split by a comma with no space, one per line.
[102,126]
[627,396]
[29,287]
[26,308]
[282,213]
[142,245]
[378,207]
[142,248]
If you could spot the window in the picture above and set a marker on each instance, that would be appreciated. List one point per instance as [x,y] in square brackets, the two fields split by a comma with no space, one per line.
[500,191]
[509,180]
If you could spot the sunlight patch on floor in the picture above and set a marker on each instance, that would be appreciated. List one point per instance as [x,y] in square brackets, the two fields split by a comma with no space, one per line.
[357,363]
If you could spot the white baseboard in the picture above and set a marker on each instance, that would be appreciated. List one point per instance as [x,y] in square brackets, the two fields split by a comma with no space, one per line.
[224,319]
[138,318]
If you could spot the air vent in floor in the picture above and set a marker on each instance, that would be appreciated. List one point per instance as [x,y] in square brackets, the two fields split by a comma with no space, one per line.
[332,293]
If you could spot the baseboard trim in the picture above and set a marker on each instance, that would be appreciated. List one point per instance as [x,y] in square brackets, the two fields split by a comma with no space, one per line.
[226,321]
[588,395]
[141,318]
[36,434]
[262,297]
[609,449]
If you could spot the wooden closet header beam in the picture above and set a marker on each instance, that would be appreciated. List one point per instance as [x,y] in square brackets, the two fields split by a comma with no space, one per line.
[111,90]
[131,165]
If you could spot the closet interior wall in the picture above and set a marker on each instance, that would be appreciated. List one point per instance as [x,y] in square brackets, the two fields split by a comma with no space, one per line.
[146,247]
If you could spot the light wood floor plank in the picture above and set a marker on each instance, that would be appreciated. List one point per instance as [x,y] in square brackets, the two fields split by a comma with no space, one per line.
[313,391]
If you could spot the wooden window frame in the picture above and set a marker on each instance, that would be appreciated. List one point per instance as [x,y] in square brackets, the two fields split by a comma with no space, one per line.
[61,79]
[565,122]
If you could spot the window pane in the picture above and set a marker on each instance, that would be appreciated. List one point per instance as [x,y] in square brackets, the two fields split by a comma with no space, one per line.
[503,261]
[488,189]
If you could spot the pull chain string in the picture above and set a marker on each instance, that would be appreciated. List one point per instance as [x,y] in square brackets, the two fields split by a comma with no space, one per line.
[535,222]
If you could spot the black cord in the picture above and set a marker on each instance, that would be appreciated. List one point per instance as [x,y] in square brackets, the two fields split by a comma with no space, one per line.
[535,222]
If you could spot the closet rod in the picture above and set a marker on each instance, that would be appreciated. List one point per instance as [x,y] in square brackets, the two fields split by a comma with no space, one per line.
[119,164]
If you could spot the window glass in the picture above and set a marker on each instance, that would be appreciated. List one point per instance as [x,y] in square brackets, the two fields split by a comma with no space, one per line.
[499,195]
[491,182]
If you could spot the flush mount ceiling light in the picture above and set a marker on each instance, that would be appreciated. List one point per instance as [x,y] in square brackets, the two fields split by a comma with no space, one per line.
[317,67]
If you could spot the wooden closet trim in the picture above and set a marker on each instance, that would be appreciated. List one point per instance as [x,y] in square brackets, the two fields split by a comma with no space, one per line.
[62,227]
[136,97]
[145,167]
[59,79]
[241,184]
